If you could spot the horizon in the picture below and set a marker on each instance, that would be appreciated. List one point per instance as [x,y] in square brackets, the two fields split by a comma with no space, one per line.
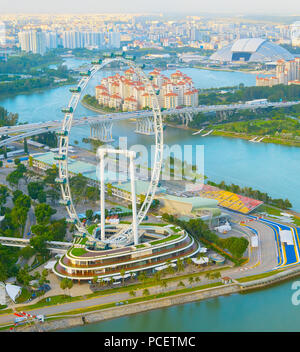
[215,7]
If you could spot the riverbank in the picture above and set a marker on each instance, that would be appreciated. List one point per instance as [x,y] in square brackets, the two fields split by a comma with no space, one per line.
[37,90]
[267,139]
[254,72]
[80,317]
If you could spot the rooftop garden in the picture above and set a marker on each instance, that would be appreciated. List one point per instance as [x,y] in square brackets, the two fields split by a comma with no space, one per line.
[167,239]
[77,252]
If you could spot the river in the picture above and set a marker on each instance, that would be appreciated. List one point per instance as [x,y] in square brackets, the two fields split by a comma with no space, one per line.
[270,168]
[266,310]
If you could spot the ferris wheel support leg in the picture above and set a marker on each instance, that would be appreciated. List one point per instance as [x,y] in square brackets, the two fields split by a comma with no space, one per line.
[102,196]
[133,199]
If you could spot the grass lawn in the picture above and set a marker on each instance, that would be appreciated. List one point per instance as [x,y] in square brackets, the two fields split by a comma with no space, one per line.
[141,299]
[170,238]
[270,210]
[24,296]
[77,252]
[258,276]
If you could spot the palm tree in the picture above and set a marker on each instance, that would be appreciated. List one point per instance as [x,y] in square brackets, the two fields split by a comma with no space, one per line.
[197,279]
[191,280]
[163,284]
[181,284]
[180,266]
[208,276]
[142,277]
[132,293]
[189,261]
[146,292]
[122,273]
[217,275]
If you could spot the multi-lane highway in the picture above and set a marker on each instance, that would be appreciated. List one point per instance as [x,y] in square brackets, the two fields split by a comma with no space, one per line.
[26,130]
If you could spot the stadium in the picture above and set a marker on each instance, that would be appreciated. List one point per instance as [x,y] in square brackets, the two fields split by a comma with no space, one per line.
[252,50]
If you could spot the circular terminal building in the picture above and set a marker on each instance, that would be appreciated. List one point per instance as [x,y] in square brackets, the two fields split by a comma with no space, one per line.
[252,50]
[85,260]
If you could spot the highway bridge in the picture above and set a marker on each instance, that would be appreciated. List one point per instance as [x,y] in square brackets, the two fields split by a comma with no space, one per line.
[53,246]
[101,125]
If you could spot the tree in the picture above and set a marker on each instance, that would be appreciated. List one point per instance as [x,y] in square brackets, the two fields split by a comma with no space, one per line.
[181,284]
[191,280]
[132,293]
[43,213]
[25,146]
[19,217]
[3,197]
[23,276]
[27,252]
[122,273]
[39,243]
[163,284]
[197,279]
[146,292]
[42,197]
[34,188]
[89,214]
[17,161]
[22,201]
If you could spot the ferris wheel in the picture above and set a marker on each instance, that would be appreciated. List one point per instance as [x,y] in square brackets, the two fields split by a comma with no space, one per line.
[126,234]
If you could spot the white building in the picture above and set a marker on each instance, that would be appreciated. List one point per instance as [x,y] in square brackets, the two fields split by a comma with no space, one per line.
[33,41]
[295,33]
[114,39]
[2,33]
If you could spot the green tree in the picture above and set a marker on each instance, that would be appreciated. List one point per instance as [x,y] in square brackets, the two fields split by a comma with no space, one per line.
[34,188]
[132,293]
[25,146]
[39,243]
[43,213]
[146,292]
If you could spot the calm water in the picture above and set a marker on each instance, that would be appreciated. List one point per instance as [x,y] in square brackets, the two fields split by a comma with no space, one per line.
[267,310]
[271,168]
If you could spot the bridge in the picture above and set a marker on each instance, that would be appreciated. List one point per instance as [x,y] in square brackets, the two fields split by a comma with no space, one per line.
[53,246]
[101,125]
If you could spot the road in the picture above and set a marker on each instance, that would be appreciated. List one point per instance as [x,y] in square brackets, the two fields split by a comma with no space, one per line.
[42,127]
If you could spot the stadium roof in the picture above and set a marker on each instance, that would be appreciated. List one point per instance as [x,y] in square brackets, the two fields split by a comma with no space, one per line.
[252,50]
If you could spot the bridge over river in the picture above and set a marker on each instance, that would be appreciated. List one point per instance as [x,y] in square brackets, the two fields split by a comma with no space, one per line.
[101,125]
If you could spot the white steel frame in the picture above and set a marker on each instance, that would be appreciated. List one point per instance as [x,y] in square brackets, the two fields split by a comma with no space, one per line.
[126,235]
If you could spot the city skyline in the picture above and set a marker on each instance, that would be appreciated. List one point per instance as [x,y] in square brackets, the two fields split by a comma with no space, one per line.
[289,7]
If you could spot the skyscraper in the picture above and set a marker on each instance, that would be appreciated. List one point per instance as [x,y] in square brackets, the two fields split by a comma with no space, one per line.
[114,39]
[295,33]
[33,41]
[2,33]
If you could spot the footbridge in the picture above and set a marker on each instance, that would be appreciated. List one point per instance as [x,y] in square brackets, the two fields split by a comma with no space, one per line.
[101,125]
[53,246]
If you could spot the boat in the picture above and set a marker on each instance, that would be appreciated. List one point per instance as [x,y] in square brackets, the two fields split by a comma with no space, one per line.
[197,132]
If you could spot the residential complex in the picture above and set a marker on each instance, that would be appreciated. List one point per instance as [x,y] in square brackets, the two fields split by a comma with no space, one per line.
[125,92]
[287,72]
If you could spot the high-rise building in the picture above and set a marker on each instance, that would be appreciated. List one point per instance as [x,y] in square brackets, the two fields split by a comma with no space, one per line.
[51,40]
[93,39]
[72,40]
[295,33]
[114,39]
[2,33]
[33,41]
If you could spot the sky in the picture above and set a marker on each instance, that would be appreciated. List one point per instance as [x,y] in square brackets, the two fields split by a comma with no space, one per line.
[196,7]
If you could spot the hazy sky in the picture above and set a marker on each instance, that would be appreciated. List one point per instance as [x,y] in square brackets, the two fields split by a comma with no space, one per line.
[183,6]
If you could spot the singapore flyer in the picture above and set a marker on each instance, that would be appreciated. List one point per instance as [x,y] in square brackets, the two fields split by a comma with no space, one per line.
[126,234]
